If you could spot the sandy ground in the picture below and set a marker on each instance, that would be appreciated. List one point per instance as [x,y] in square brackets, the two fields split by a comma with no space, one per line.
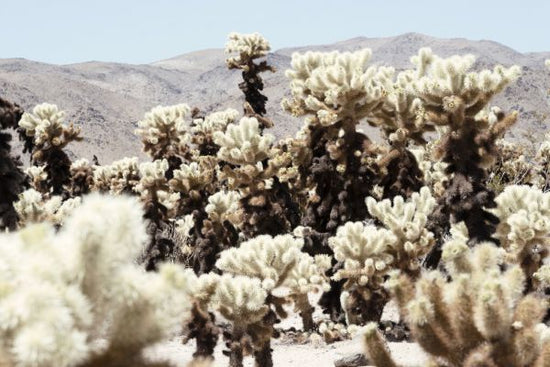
[305,355]
[286,353]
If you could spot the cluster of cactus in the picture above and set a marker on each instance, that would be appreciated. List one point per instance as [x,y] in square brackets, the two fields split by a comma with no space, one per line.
[224,228]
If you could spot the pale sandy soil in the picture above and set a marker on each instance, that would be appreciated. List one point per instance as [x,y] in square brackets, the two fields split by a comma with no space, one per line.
[286,353]
[306,355]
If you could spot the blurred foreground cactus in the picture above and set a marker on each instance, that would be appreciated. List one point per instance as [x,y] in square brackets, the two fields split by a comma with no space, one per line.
[61,301]
[478,317]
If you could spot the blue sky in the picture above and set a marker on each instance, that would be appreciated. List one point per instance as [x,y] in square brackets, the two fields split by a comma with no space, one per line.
[139,31]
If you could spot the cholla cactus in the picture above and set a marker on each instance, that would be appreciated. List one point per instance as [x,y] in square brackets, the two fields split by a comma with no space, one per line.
[334,159]
[242,301]
[82,177]
[194,181]
[542,166]
[214,229]
[164,131]
[38,178]
[308,275]
[50,135]
[511,167]
[274,261]
[477,317]
[119,177]
[439,82]
[266,203]
[37,205]
[366,256]
[203,130]
[11,177]
[401,119]
[32,207]
[433,171]
[222,206]
[332,332]
[201,325]
[407,221]
[102,178]
[45,125]
[61,307]
[336,91]
[249,48]
[243,144]
[524,226]
[160,206]
[154,191]
[334,87]
[183,227]
[541,279]
[264,257]
[455,98]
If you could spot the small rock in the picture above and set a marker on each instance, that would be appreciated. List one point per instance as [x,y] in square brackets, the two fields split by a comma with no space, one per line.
[353,360]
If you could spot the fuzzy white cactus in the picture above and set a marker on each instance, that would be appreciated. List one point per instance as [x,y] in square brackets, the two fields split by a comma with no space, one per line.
[365,251]
[193,176]
[183,227]
[543,152]
[524,214]
[33,207]
[541,178]
[243,143]
[37,175]
[334,86]
[308,275]
[45,124]
[164,130]
[439,80]
[223,205]
[281,267]
[434,171]
[264,257]
[247,46]
[524,228]
[170,200]
[240,299]
[479,315]
[121,175]
[542,276]
[216,121]
[60,305]
[152,175]
[80,163]
[124,174]
[407,220]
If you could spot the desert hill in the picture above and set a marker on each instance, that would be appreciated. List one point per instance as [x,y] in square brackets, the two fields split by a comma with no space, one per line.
[107,99]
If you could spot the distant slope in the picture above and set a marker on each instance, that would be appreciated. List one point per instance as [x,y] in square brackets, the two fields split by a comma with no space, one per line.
[107,99]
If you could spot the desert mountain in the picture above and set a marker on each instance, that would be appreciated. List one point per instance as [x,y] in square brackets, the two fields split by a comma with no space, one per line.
[107,99]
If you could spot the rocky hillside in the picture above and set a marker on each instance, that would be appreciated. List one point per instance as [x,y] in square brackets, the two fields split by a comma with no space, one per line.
[107,99]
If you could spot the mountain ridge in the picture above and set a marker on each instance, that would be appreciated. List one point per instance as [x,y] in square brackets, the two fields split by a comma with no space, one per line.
[107,98]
